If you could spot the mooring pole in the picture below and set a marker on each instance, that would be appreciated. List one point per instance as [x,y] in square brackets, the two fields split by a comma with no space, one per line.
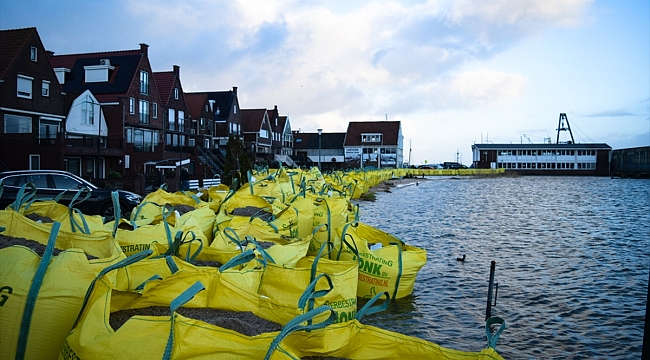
[488,309]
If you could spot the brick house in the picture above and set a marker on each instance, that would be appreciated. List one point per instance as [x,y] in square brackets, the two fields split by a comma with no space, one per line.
[203,135]
[282,138]
[32,111]
[307,150]
[258,135]
[123,84]
[374,143]
[224,106]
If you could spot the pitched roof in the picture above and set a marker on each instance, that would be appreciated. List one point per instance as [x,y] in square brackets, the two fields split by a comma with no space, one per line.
[223,101]
[390,131]
[195,102]
[164,83]
[11,43]
[252,119]
[282,120]
[310,140]
[125,65]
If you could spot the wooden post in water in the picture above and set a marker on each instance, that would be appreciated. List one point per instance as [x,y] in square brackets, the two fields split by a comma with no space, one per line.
[488,308]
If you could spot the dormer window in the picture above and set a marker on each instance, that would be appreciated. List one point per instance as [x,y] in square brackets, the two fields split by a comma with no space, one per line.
[33,54]
[371,138]
[98,73]
[144,82]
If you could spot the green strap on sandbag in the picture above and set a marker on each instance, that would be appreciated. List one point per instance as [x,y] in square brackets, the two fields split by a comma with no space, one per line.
[399,269]
[310,293]
[493,338]
[141,286]
[237,260]
[265,255]
[180,239]
[34,289]
[235,239]
[192,195]
[296,325]
[120,264]
[23,197]
[369,309]
[183,298]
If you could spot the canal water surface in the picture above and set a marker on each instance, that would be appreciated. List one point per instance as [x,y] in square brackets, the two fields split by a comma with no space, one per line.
[572,262]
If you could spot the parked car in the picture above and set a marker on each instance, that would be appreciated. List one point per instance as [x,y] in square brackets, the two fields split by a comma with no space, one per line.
[50,183]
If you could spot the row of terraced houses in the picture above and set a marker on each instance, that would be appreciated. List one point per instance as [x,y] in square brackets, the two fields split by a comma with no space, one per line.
[108,117]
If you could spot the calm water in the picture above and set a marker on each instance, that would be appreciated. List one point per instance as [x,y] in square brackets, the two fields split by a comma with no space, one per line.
[572,260]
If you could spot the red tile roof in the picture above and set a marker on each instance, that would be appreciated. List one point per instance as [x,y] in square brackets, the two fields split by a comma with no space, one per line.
[195,103]
[165,83]
[252,119]
[390,131]
[11,43]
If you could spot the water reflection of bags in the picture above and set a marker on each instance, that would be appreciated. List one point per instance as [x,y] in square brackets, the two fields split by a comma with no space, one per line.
[40,298]
[386,264]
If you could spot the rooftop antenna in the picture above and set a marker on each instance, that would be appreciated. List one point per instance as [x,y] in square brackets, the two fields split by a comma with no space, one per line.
[529,140]
[563,125]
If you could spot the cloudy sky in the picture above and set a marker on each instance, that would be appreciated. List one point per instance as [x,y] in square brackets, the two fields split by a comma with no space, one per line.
[453,72]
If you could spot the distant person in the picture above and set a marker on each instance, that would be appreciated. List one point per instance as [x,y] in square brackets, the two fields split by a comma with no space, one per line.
[185,179]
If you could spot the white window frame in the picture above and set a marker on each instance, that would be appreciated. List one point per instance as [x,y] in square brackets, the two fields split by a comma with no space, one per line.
[144,82]
[33,54]
[45,88]
[144,112]
[175,93]
[21,86]
[131,105]
[154,110]
[32,158]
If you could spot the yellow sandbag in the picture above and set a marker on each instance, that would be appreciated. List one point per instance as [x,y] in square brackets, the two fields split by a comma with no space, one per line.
[354,340]
[334,213]
[99,244]
[391,266]
[334,284]
[170,337]
[41,298]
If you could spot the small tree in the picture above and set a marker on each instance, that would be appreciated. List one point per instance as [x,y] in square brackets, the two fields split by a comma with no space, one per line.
[237,162]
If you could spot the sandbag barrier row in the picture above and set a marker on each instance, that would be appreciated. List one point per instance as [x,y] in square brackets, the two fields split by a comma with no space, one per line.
[288,248]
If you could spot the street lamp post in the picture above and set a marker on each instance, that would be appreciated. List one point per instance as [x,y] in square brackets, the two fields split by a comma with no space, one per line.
[99,141]
[320,133]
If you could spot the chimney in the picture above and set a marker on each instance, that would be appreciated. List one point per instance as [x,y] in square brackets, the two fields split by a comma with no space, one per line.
[144,49]
[177,70]
[234,89]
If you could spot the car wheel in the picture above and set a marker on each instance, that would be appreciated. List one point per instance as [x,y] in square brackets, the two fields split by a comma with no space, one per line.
[108,211]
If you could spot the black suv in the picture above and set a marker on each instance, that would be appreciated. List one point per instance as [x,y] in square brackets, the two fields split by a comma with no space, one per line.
[50,183]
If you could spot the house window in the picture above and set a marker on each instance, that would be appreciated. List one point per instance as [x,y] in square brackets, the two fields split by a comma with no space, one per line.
[144,82]
[142,140]
[48,129]
[144,112]
[154,110]
[131,105]
[175,93]
[371,137]
[24,87]
[181,121]
[45,88]
[264,133]
[202,123]
[88,111]
[15,124]
[33,54]
[34,161]
[234,109]
[172,120]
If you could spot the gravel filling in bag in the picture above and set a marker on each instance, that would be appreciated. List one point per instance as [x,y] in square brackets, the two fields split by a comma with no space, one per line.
[245,323]
[39,218]
[39,249]
[252,210]
[182,209]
